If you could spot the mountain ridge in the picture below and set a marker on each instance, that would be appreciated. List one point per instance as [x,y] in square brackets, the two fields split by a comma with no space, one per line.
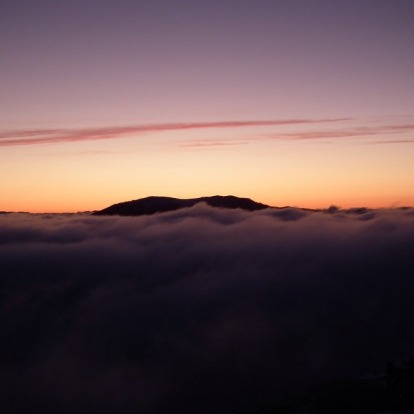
[161,204]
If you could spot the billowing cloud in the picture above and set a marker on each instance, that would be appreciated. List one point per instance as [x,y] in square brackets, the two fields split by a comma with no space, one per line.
[199,310]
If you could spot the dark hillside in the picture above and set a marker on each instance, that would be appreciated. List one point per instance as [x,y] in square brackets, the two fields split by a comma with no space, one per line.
[152,205]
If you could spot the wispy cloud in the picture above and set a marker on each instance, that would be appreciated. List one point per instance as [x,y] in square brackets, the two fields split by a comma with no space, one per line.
[212,143]
[321,134]
[50,136]
[400,141]
[345,132]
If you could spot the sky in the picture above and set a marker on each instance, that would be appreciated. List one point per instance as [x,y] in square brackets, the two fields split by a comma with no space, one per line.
[301,103]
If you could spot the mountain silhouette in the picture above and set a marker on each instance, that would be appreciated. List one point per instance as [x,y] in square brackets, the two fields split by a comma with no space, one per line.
[152,205]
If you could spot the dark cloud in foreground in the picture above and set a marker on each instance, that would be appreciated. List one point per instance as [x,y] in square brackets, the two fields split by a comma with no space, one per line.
[201,310]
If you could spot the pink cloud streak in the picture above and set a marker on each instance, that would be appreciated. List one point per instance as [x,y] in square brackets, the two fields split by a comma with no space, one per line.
[350,132]
[345,133]
[50,136]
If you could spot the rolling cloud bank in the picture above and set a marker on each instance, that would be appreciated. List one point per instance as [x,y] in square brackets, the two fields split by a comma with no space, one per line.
[199,310]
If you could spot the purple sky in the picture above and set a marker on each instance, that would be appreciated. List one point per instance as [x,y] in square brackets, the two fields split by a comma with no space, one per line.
[116,64]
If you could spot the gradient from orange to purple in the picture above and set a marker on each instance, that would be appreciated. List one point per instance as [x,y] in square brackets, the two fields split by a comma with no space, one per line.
[305,103]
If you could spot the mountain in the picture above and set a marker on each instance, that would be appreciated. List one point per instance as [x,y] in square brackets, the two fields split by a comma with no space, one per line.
[152,205]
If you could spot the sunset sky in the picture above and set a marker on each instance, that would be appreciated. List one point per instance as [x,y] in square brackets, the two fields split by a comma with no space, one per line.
[304,103]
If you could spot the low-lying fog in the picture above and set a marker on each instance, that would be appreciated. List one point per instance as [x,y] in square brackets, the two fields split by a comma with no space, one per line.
[201,310]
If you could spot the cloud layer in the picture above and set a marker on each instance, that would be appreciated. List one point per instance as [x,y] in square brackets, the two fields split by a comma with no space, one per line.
[199,310]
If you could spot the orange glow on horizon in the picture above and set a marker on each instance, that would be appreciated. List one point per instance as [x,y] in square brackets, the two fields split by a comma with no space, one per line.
[251,162]
[66,206]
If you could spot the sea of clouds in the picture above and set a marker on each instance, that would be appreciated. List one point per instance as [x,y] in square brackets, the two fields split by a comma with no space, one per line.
[201,310]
